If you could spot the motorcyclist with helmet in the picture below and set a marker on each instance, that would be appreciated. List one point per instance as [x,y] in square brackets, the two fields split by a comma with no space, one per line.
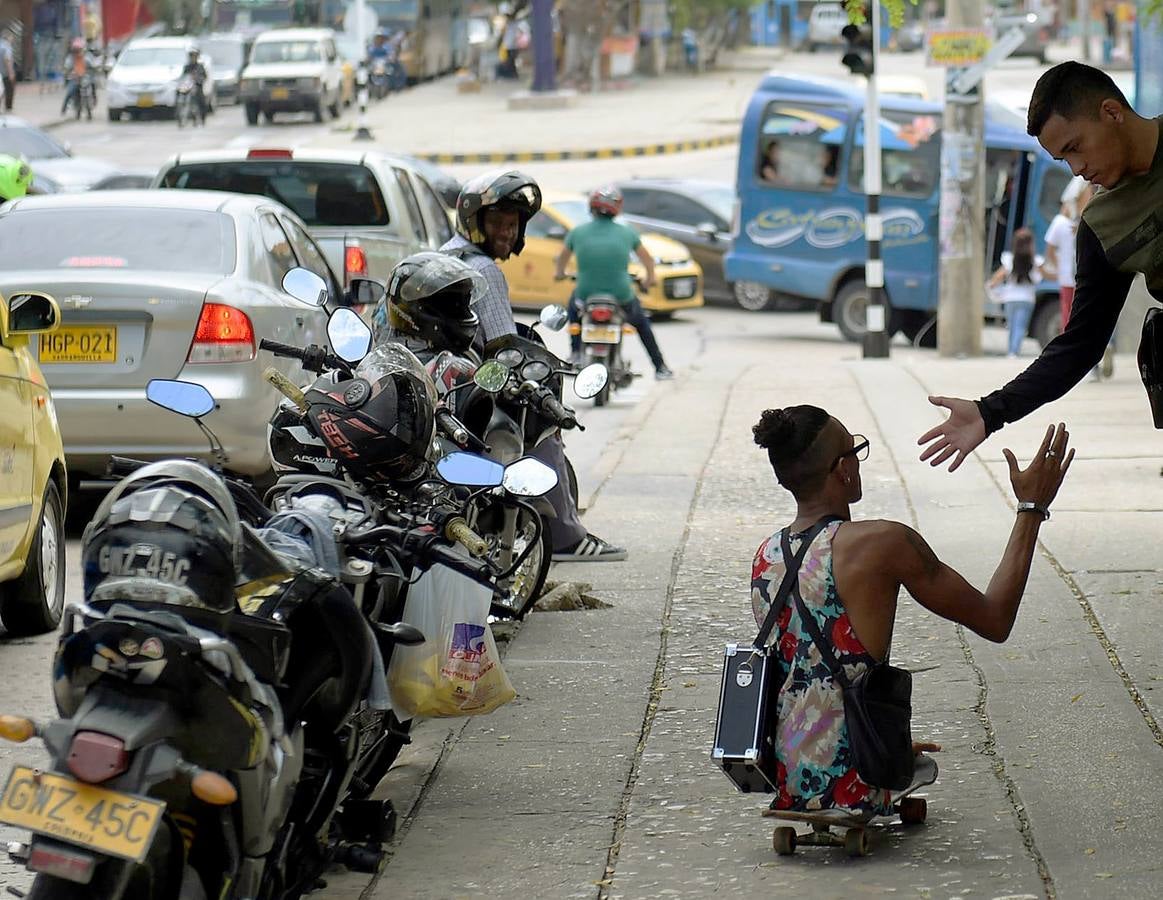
[196,72]
[602,246]
[15,177]
[77,65]
[492,213]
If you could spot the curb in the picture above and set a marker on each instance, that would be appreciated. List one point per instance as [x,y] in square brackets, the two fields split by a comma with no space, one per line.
[599,153]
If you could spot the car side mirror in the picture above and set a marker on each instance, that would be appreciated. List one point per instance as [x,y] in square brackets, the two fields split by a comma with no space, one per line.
[556,232]
[709,231]
[31,312]
[365,291]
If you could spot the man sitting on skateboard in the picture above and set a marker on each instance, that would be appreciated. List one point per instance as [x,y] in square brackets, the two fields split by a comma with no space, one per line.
[850,579]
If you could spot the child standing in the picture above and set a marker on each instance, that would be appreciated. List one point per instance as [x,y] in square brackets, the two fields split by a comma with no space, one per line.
[1015,285]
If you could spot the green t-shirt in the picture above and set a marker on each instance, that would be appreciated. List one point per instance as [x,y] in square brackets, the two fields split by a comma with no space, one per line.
[603,247]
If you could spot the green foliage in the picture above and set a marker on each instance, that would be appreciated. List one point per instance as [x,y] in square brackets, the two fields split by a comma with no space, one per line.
[1153,9]
[698,12]
[858,15]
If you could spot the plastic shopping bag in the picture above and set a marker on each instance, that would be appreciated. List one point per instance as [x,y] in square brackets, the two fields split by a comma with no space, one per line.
[457,670]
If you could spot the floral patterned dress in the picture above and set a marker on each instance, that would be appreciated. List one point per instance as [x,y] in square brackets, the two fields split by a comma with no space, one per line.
[814,764]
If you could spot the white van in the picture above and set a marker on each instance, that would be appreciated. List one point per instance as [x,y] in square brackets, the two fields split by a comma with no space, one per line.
[824,25]
[292,70]
[146,75]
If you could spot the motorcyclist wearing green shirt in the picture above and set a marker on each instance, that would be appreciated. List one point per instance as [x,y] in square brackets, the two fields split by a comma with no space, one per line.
[602,247]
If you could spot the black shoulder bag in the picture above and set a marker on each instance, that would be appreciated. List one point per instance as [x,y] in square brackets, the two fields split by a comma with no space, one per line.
[745,726]
[877,708]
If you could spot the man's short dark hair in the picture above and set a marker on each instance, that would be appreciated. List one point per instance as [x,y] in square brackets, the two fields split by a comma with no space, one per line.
[1072,90]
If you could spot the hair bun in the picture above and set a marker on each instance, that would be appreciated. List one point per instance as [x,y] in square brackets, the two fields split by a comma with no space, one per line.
[775,427]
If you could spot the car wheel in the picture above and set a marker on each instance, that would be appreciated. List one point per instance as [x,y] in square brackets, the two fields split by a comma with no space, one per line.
[252,113]
[32,603]
[752,296]
[114,115]
[268,115]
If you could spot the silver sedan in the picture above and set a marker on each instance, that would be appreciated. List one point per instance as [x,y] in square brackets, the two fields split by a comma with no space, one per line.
[162,284]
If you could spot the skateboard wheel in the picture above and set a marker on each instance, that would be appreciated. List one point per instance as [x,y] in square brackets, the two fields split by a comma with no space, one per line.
[783,839]
[913,810]
[856,842]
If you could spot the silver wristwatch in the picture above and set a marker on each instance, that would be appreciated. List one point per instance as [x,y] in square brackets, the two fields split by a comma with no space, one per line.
[1031,506]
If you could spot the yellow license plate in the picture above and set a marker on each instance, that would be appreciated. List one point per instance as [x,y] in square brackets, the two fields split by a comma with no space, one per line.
[602,334]
[110,822]
[145,100]
[79,344]
[280,93]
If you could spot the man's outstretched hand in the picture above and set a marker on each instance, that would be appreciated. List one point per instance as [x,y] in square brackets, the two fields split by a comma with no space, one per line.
[957,436]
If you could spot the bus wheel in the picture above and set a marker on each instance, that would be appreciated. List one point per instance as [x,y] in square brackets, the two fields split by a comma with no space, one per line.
[850,309]
[752,296]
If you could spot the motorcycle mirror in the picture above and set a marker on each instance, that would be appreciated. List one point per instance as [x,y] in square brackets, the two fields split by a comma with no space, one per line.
[529,477]
[554,317]
[470,470]
[182,397]
[491,376]
[305,285]
[349,335]
[590,381]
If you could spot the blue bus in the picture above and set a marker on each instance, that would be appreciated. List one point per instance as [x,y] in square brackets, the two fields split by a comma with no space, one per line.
[799,229]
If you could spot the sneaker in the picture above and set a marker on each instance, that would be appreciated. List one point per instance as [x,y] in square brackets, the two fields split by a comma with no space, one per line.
[590,549]
[662,373]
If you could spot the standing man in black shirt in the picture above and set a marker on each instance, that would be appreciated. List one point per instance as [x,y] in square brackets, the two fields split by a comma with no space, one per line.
[1079,115]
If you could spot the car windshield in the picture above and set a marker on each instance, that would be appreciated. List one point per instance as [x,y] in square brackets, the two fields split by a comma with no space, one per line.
[321,193]
[158,240]
[720,199]
[573,211]
[285,51]
[29,143]
[153,56]
[226,54]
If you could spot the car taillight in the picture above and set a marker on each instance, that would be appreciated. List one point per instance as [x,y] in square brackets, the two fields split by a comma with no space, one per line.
[269,153]
[223,334]
[62,861]
[95,757]
[600,314]
[354,261]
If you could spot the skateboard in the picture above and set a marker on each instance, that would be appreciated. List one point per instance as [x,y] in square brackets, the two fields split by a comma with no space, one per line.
[851,833]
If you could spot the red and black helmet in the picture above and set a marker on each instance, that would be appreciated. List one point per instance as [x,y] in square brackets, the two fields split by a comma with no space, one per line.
[606,201]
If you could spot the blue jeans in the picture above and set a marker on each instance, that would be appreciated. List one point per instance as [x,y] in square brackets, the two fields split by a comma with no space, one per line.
[635,315]
[1018,318]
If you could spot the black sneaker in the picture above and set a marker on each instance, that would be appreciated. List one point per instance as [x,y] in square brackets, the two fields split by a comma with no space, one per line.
[662,373]
[590,549]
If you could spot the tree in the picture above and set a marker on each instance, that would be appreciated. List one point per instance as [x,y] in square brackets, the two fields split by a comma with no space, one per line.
[716,22]
[858,11]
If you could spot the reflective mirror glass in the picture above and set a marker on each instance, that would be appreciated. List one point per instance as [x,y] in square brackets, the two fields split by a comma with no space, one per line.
[590,381]
[349,335]
[305,285]
[529,477]
[183,397]
[491,376]
[535,370]
[554,317]
[470,470]
[31,313]
[510,358]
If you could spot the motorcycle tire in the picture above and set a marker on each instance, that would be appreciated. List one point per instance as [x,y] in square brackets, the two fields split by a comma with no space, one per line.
[529,580]
[370,776]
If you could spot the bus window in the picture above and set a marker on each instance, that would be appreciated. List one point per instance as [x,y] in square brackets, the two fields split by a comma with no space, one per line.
[910,154]
[800,145]
[1050,197]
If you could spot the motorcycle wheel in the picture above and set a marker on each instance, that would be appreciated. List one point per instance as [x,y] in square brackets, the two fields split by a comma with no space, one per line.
[376,768]
[529,580]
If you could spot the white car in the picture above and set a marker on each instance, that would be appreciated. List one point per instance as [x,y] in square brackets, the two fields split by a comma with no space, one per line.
[293,70]
[146,75]
[825,24]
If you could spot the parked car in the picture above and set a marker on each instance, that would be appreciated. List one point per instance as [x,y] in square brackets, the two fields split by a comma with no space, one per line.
[133,180]
[54,168]
[145,77]
[293,70]
[162,284]
[33,489]
[447,186]
[367,210]
[229,51]
[825,23]
[694,213]
[678,279]
[1011,15]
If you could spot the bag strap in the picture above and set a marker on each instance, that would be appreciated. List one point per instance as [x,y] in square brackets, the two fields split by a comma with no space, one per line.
[809,621]
[790,577]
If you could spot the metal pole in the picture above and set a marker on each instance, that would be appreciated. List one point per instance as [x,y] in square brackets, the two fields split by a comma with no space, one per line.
[544,59]
[362,132]
[876,335]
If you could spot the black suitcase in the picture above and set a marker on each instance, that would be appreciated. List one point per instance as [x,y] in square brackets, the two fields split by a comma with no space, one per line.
[745,728]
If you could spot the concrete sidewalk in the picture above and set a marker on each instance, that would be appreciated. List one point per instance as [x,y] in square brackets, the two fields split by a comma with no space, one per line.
[597,780]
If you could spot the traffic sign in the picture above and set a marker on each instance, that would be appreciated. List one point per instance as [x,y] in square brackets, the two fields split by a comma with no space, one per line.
[966,81]
[954,48]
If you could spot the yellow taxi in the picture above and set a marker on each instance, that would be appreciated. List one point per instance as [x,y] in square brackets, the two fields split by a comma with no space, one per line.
[678,282]
[32,473]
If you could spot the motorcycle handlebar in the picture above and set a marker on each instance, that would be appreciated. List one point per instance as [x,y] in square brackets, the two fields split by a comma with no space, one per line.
[425,548]
[286,387]
[457,530]
[282,349]
[557,411]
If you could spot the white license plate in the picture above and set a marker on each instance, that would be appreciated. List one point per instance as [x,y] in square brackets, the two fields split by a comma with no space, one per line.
[682,288]
[600,334]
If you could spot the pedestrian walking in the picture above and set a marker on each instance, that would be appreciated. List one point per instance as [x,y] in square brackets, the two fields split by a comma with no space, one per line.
[7,70]
[1015,284]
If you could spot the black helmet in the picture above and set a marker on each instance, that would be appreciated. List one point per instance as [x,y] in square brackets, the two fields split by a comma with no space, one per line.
[504,190]
[294,446]
[170,534]
[379,424]
[430,296]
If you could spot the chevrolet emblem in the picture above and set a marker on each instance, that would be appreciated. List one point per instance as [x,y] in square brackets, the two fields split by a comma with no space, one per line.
[76,301]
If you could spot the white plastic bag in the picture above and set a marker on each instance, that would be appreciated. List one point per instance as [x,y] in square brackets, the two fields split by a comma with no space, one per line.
[457,670]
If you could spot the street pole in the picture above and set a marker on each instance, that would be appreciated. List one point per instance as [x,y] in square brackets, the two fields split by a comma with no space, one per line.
[961,305]
[362,132]
[1083,7]
[876,335]
[544,58]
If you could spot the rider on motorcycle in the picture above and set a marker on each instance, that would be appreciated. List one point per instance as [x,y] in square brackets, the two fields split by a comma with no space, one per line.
[196,72]
[492,212]
[76,68]
[15,177]
[429,305]
[602,246]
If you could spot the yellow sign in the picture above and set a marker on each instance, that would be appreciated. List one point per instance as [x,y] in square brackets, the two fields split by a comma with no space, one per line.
[79,344]
[959,48]
[118,824]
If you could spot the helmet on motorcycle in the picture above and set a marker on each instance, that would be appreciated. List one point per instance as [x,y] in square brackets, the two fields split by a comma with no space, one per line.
[15,177]
[379,424]
[170,534]
[430,296]
[606,201]
[293,445]
[507,190]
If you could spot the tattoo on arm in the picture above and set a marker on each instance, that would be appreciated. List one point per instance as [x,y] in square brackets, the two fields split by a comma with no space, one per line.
[929,562]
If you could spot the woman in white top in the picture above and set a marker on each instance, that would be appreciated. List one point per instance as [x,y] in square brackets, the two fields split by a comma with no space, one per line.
[1015,285]
[1060,241]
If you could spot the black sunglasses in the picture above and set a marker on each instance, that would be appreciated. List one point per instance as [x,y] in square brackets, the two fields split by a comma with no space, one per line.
[859,450]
